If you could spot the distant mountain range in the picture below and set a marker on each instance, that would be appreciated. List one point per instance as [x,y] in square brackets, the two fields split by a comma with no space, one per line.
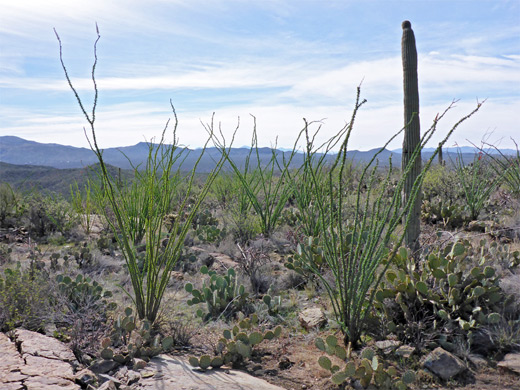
[18,151]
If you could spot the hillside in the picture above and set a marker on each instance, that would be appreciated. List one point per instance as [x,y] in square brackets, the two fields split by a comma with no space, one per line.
[29,178]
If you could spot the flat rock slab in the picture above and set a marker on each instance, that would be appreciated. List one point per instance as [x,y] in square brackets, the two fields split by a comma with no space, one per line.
[10,362]
[37,344]
[511,362]
[39,363]
[166,372]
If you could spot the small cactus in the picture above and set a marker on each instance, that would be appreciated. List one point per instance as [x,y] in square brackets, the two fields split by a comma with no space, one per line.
[221,293]
[368,370]
[236,345]
[132,338]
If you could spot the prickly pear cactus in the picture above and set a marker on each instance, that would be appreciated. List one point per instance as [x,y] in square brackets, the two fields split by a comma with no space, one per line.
[133,339]
[367,370]
[455,286]
[82,291]
[236,345]
[223,295]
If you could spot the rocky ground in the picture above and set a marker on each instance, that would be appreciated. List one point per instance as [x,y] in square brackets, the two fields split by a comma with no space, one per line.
[32,361]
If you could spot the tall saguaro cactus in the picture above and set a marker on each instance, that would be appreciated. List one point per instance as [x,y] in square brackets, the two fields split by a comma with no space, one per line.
[412,134]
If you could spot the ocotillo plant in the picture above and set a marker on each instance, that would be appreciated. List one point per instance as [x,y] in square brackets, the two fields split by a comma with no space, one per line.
[412,132]
[151,200]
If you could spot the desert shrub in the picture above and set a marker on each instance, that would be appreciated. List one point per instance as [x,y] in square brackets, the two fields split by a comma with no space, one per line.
[131,338]
[478,180]
[498,339]
[5,253]
[369,369]
[251,262]
[508,166]
[83,204]
[49,214]
[206,227]
[441,181]
[442,197]
[11,206]
[26,299]
[84,307]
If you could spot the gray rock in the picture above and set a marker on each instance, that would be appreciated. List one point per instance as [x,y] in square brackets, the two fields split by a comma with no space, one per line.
[443,364]
[85,377]
[312,318]
[387,346]
[109,385]
[103,366]
[10,364]
[511,362]
[103,378]
[405,351]
[139,364]
[478,361]
[132,377]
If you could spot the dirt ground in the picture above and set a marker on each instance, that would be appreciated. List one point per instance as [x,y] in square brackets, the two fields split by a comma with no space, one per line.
[291,362]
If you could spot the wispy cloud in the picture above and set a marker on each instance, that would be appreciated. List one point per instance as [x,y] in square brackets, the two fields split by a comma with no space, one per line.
[279,60]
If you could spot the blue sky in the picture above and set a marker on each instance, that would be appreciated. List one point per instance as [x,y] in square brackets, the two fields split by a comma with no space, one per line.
[280,61]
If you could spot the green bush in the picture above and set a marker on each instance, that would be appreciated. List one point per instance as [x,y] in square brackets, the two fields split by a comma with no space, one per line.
[11,206]
[49,214]
[26,299]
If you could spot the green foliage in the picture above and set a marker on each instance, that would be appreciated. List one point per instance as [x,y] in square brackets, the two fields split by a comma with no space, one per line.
[223,295]
[131,338]
[367,370]
[81,254]
[25,299]
[436,210]
[135,211]
[206,227]
[82,292]
[273,303]
[266,192]
[355,250]
[236,345]
[455,288]
[5,253]
[443,197]
[10,206]
[508,167]
[83,204]
[308,259]
[478,180]
[49,214]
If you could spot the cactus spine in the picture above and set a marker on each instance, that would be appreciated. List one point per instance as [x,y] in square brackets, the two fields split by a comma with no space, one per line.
[412,134]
